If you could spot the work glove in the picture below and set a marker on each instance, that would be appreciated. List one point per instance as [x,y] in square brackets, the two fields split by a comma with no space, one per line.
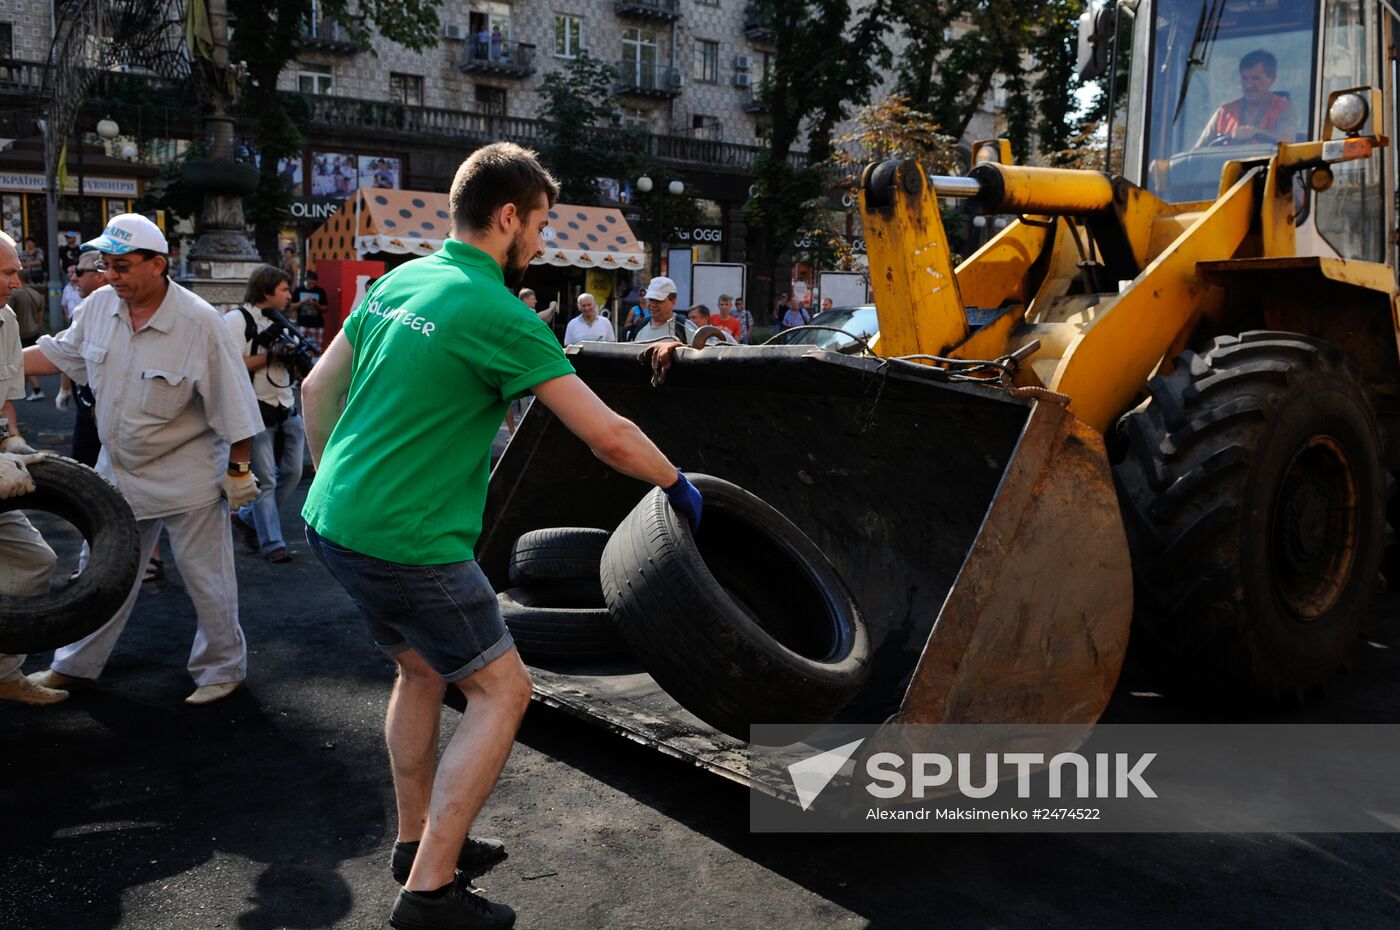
[15,479]
[685,500]
[16,445]
[241,490]
[65,396]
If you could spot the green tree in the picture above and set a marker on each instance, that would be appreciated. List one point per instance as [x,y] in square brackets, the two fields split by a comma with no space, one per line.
[826,60]
[267,36]
[582,141]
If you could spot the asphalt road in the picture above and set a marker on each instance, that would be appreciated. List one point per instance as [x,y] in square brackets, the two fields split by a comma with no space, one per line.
[123,807]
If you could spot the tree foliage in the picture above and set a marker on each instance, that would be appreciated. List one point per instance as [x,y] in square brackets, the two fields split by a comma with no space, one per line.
[267,36]
[827,59]
[581,140]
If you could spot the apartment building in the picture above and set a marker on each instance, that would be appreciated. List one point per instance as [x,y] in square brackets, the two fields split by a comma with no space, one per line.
[684,67]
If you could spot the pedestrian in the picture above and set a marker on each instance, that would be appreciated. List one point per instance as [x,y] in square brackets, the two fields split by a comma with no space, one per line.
[290,264]
[173,403]
[663,324]
[277,450]
[26,561]
[68,252]
[780,309]
[588,326]
[745,321]
[795,316]
[700,317]
[529,298]
[310,308]
[72,293]
[726,320]
[426,369]
[86,444]
[31,259]
[29,305]
[826,304]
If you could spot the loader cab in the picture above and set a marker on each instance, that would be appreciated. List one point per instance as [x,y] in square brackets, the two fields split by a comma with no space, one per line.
[1213,81]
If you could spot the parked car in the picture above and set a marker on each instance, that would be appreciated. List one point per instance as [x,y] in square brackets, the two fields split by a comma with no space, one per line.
[860,322]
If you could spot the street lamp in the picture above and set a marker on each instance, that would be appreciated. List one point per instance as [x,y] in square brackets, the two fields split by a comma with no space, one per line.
[107,129]
[645,185]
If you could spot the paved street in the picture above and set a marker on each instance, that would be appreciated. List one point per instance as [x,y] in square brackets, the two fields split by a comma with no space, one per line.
[125,808]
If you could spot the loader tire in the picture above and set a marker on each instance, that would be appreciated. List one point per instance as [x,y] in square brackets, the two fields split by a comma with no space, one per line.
[565,552]
[561,622]
[76,493]
[1253,492]
[745,622]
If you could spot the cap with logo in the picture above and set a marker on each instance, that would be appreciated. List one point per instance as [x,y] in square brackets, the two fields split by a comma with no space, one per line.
[660,288]
[127,233]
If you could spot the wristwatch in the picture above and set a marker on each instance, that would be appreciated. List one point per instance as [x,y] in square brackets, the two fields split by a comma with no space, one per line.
[239,468]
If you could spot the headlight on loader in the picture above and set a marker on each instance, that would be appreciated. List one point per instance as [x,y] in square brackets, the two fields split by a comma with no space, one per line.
[1348,112]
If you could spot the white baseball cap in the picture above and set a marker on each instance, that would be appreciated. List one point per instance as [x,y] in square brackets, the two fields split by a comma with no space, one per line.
[127,233]
[659,288]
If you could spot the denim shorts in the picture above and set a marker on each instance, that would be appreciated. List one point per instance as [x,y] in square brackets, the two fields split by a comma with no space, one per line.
[445,613]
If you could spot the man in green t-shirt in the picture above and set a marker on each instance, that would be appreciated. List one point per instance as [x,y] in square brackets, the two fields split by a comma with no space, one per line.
[425,368]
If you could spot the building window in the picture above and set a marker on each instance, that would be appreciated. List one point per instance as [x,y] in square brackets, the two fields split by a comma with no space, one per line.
[636,118]
[706,61]
[491,100]
[568,35]
[7,40]
[406,89]
[758,68]
[639,47]
[705,127]
[315,79]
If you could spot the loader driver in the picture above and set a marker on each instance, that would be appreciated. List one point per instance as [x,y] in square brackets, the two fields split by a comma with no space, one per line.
[1260,115]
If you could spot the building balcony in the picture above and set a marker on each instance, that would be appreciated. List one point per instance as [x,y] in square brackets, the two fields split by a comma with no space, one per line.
[756,102]
[500,58]
[657,11]
[327,35]
[641,79]
[758,25]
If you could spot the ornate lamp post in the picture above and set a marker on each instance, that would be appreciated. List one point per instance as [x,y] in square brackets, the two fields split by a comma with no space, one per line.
[644,184]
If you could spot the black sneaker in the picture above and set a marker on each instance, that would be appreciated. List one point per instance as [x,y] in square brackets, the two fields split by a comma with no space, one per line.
[479,855]
[463,907]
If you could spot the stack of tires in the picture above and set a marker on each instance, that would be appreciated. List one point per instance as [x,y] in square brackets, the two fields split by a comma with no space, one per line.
[744,622]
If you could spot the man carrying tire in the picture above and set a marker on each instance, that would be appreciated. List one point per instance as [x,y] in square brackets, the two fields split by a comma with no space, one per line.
[425,368]
[26,561]
[173,403]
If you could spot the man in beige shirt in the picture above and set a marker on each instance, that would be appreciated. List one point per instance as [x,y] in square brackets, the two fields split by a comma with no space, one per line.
[176,415]
[26,561]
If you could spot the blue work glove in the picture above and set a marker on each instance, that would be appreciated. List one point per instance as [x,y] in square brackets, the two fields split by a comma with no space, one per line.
[685,500]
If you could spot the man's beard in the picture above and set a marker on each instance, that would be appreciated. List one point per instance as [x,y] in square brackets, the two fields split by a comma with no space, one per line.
[517,263]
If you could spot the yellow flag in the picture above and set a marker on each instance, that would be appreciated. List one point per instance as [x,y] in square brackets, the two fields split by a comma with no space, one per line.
[199,36]
[62,171]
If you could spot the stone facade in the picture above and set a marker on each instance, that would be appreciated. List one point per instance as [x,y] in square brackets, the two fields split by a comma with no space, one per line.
[709,103]
[30,28]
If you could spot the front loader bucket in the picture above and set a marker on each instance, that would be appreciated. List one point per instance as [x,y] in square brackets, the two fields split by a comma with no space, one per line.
[980,533]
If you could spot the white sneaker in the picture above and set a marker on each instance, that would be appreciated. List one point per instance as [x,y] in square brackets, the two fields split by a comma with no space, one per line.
[208,694]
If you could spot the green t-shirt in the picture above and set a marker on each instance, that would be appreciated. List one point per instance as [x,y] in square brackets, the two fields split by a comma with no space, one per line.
[441,348]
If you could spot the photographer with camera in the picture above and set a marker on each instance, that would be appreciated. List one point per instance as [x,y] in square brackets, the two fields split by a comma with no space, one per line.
[273,353]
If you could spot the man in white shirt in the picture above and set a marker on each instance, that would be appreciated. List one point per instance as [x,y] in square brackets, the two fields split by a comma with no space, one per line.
[664,325]
[588,326]
[173,407]
[259,524]
[26,561]
[72,292]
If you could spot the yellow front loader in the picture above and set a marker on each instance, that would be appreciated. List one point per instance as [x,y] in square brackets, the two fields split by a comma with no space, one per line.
[1153,401]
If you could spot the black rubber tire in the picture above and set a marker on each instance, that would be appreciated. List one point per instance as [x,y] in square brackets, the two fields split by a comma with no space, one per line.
[76,493]
[1247,578]
[565,552]
[748,622]
[562,621]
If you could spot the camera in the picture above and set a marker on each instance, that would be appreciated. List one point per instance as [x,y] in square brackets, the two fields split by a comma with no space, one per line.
[288,345]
